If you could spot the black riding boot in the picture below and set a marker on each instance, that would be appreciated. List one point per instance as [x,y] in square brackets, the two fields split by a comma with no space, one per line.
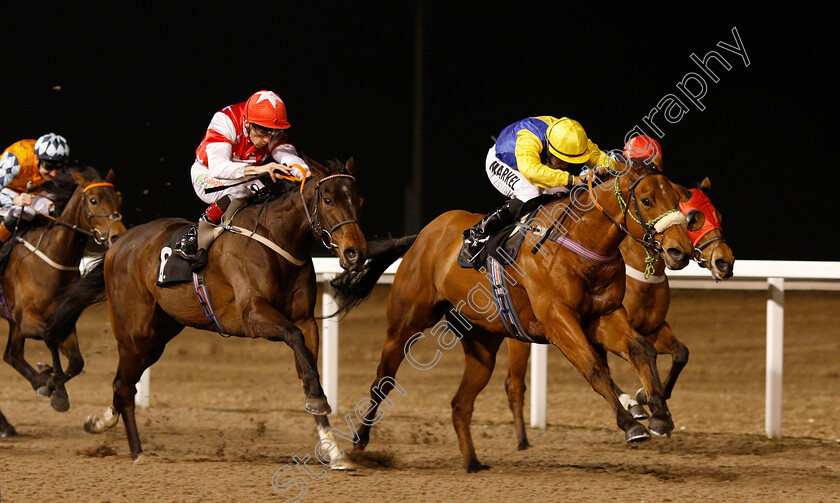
[10,226]
[192,247]
[476,236]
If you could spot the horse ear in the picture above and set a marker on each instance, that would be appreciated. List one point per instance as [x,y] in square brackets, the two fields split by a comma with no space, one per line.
[317,169]
[110,176]
[350,165]
[706,184]
[79,177]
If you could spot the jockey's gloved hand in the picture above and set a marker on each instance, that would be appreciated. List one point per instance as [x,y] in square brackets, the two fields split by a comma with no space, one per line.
[23,199]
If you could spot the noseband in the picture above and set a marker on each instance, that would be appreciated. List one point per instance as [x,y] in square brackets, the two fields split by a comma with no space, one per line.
[697,256]
[652,227]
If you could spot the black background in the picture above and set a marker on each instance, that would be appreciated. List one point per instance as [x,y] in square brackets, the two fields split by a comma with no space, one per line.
[133,89]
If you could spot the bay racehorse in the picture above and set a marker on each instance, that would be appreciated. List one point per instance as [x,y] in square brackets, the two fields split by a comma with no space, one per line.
[43,264]
[263,287]
[562,298]
[646,300]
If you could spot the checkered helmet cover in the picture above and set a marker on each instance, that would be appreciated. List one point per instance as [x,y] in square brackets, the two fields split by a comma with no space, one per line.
[52,147]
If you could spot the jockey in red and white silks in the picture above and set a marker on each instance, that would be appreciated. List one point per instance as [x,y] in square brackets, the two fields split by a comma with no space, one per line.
[232,148]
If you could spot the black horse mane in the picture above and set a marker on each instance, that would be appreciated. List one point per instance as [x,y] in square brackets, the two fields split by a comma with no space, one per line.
[64,184]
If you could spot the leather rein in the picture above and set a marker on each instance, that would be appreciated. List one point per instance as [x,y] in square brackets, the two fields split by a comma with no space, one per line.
[94,233]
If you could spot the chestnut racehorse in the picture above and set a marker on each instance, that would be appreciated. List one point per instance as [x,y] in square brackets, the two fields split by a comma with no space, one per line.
[562,298]
[257,291]
[646,301]
[43,266]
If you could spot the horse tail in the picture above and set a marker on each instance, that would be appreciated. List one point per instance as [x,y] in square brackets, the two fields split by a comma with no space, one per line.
[351,288]
[87,291]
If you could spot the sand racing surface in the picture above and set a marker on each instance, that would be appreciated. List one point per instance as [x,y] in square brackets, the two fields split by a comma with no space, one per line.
[227,414]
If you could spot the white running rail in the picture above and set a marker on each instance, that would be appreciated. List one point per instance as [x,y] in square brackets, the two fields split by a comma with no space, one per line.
[773,276]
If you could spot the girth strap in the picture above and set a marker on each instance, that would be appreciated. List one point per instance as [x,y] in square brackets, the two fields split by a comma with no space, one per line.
[266,242]
[5,305]
[46,259]
[204,299]
[501,294]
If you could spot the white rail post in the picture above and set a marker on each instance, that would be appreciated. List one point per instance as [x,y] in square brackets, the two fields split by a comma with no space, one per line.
[329,346]
[143,387]
[539,378]
[775,348]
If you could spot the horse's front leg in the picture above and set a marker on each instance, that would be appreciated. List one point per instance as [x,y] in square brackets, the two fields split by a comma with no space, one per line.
[563,329]
[261,319]
[309,328]
[70,349]
[59,399]
[614,333]
[665,342]
[6,429]
[41,381]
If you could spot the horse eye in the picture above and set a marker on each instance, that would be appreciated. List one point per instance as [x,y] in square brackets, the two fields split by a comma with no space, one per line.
[328,201]
[646,202]
[93,200]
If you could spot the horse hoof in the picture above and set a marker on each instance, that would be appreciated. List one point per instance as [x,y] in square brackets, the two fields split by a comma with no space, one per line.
[43,391]
[318,406]
[10,432]
[60,401]
[477,467]
[98,424]
[660,427]
[343,465]
[641,396]
[523,445]
[637,433]
[359,446]
[638,411]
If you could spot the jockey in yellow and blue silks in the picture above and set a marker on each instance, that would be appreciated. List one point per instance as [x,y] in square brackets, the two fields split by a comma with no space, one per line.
[533,156]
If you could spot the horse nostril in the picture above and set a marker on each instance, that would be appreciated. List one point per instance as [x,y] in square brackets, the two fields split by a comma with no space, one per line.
[723,265]
[351,255]
[677,255]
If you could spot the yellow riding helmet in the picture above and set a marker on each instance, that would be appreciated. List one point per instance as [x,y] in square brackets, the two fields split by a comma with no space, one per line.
[567,140]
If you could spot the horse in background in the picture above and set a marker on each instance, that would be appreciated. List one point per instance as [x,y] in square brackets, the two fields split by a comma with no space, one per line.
[43,264]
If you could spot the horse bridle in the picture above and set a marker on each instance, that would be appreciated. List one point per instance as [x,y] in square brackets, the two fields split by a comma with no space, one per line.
[697,255]
[315,217]
[94,233]
[114,217]
[649,239]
